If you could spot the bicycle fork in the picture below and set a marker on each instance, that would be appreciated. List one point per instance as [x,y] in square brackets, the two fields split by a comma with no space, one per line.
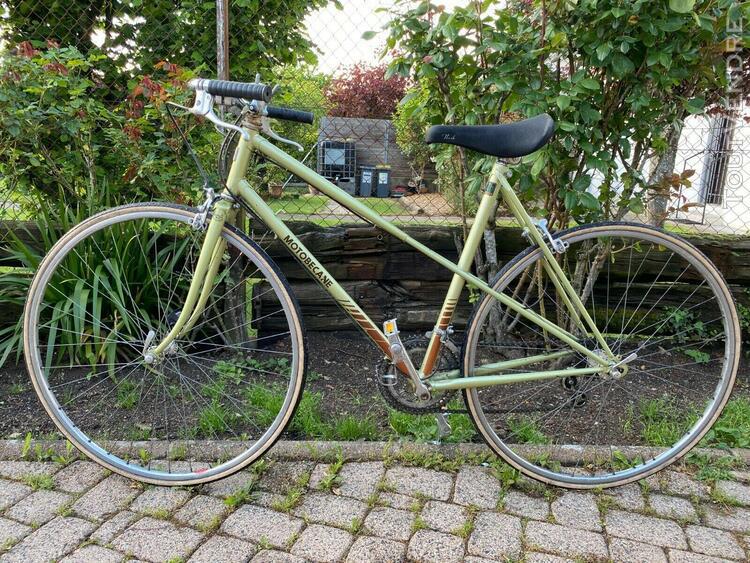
[201,284]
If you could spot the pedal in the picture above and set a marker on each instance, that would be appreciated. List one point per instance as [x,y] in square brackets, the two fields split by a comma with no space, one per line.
[443,428]
[388,379]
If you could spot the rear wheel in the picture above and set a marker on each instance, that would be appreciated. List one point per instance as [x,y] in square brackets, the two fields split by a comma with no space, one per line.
[216,400]
[650,293]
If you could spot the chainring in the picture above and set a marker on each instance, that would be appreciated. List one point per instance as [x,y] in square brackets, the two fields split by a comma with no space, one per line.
[401,395]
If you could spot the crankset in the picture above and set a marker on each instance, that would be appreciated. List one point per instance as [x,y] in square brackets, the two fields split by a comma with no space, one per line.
[398,391]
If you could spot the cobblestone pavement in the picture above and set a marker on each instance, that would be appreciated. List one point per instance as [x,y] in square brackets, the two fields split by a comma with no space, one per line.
[307,510]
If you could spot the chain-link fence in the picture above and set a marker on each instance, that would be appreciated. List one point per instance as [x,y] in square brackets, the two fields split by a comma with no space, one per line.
[317,52]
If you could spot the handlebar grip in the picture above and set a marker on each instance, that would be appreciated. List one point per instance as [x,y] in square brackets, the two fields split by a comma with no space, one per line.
[290,114]
[230,89]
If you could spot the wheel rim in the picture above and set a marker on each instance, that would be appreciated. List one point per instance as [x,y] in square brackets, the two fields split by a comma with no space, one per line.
[511,419]
[233,381]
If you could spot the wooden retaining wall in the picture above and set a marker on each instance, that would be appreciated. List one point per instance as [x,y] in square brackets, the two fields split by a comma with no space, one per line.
[388,278]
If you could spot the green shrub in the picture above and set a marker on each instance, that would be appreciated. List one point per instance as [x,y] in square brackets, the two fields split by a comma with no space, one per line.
[732,429]
[65,135]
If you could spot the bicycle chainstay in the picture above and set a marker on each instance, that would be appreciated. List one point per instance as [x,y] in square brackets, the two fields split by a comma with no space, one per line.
[574,395]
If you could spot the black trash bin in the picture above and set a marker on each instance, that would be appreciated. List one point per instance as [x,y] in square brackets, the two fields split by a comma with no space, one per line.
[383,174]
[366,180]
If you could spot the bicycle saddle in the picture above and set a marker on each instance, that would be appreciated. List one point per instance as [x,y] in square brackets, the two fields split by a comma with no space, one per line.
[504,141]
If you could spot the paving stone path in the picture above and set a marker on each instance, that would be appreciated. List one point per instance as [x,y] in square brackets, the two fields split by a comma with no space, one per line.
[308,510]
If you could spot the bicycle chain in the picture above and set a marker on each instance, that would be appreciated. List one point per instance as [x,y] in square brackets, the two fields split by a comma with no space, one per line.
[438,406]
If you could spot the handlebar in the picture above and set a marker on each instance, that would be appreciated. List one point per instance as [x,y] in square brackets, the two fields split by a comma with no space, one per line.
[253,91]
[290,114]
[230,89]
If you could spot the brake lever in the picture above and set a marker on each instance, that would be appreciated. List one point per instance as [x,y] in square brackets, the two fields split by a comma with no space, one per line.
[266,128]
[204,107]
[265,124]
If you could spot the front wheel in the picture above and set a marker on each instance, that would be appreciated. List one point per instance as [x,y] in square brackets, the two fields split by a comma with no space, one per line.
[651,294]
[216,400]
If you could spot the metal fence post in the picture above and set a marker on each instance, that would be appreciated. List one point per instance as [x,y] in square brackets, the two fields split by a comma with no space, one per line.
[235,302]
[222,39]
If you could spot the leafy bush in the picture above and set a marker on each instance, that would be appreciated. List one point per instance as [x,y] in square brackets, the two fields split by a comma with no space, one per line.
[61,134]
[618,77]
[300,88]
[732,429]
[366,91]
[80,303]
[138,33]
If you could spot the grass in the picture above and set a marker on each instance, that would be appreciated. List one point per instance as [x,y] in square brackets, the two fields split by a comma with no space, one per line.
[210,526]
[294,495]
[732,429]
[39,482]
[355,526]
[265,403]
[663,422]
[384,206]
[418,524]
[212,420]
[710,468]
[304,204]
[526,431]
[331,477]
[127,394]
[464,531]
[351,428]
[298,205]
[424,428]
[177,452]
[239,497]
[17,388]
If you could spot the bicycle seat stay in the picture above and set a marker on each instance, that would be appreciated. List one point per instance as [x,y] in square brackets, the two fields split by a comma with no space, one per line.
[503,141]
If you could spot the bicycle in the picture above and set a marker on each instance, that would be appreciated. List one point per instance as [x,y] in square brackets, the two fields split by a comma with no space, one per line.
[150,327]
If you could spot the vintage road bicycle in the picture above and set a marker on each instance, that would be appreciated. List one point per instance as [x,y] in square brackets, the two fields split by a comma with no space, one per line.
[168,346]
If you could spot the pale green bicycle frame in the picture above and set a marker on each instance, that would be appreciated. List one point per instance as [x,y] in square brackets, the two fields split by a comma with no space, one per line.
[213,248]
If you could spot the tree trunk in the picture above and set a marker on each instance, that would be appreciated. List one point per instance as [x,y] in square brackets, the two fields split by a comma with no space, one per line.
[656,210]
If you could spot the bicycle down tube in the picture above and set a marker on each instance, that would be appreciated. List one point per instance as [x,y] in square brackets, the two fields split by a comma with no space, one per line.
[239,187]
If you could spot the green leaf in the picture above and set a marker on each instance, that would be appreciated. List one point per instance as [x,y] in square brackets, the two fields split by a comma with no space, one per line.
[582,182]
[622,65]
[672,24]
[590,83]
[367,35]
[636,206]
[566,126]
[538,165]
[695,105]
[563,102]
[589,201]
[603,50]
[681,6]
[570,200]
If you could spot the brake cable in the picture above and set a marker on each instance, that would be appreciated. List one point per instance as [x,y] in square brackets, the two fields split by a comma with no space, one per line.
[202,171]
